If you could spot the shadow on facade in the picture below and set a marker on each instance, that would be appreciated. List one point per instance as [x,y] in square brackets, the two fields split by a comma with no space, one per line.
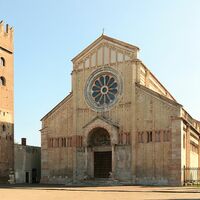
[27,163]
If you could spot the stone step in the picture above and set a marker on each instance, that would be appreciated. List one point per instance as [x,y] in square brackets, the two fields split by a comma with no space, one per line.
[99,182]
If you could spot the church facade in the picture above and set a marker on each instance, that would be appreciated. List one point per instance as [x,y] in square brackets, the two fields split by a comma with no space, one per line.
[119,123]
[6,102]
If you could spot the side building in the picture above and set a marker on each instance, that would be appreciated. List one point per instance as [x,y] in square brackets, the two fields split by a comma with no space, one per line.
[27,163]
[6,102]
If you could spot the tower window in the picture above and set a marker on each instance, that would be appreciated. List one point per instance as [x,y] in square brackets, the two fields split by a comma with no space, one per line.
[2,81]
[2,62]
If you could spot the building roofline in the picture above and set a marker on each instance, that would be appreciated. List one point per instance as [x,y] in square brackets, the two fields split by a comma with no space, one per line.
[57,106]
[158,95]
[127,45]
[171,102]
[158,81]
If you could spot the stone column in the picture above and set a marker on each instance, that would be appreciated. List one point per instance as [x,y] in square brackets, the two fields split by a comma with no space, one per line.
[113,160]
[175,157]
[135,78]
[86,159]
[188,147]
[74,125]
[44,156]
[199,161]
[187,171]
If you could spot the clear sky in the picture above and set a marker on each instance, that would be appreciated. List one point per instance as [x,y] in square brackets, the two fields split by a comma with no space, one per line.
[49,33]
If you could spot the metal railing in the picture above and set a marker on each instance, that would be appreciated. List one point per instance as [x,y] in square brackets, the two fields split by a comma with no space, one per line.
[191,175]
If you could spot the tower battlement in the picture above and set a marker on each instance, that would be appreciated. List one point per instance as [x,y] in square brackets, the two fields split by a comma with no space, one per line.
[6,36]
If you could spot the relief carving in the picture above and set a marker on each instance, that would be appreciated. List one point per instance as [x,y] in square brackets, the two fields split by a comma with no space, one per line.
[99,138]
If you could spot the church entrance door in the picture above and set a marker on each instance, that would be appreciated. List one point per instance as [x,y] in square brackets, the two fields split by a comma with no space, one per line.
[102,164]
[101,153]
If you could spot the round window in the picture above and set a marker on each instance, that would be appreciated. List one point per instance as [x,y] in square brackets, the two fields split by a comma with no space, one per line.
[103,88]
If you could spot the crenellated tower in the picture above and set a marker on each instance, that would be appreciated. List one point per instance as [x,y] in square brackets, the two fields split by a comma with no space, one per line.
[6,101]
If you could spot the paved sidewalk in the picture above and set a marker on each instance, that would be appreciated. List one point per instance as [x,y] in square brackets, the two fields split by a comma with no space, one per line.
[28,192]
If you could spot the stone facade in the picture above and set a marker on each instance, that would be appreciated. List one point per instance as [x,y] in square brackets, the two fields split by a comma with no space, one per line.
[120,116]
[6,102]
[27,163]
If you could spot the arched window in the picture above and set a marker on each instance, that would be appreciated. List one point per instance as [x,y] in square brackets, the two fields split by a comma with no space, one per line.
[64,142]
[149,136]
[2,61]
[2,81]
[3,128]
[140,137]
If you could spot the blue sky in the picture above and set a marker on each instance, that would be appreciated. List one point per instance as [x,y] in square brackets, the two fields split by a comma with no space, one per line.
[49,33]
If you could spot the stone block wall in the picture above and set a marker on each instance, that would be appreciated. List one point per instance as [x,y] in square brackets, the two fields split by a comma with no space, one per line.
[6,102]
[158,138]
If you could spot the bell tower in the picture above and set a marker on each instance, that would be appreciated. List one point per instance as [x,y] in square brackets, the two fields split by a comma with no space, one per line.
[6,102]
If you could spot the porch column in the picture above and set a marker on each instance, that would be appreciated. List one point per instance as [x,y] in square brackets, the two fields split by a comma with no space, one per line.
[113,160]
[86,158]
[188,148]
[199,160]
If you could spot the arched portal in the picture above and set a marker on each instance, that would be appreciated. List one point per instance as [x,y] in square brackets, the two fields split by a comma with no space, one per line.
[100,144]
[99,137]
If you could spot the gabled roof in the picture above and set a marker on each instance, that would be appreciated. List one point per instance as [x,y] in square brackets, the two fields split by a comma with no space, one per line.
[103,119]
[124,44]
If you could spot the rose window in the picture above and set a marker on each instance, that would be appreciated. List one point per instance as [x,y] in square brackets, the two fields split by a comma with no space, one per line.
[104,90]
